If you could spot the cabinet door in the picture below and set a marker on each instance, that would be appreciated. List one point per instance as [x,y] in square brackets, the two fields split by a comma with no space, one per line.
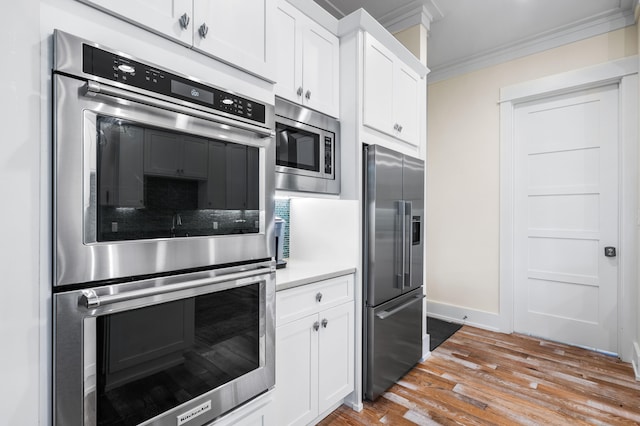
[289,52]
[236,177]
[162,153]
[296,401]
[130,174]
[194,157]
[253,178]
[213,192]
[239,34]
[162,17]
[321,51]
[406,92]
[336,355]
[378,86]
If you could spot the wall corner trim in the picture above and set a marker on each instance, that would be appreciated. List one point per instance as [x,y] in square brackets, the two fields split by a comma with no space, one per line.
[636,360]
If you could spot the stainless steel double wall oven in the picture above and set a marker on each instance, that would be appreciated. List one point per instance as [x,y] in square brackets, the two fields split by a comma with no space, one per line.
[164,282]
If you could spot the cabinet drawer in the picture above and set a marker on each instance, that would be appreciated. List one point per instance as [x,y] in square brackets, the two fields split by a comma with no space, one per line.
[309,299]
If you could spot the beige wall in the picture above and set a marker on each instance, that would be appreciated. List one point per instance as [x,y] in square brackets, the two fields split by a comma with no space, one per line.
[415,40]
[463,167]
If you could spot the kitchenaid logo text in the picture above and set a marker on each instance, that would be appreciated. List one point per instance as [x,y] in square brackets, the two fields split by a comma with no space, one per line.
[195,412]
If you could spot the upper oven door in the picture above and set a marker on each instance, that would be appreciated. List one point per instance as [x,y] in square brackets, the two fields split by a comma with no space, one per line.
[143,186]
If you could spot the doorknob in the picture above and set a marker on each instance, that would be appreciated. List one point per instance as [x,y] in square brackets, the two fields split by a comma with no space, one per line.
[610,251]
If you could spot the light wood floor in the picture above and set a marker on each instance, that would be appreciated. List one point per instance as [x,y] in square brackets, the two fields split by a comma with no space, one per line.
[479,378]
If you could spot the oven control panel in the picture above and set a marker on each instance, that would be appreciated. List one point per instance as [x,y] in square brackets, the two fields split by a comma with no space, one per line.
[114,67]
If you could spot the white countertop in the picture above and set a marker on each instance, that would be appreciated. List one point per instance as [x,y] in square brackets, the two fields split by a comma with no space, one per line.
[299,273]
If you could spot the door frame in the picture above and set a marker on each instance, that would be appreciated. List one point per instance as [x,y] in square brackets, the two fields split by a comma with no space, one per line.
[623,72]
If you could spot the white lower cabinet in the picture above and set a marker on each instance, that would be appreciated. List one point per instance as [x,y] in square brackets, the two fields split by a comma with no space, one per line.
[315,352]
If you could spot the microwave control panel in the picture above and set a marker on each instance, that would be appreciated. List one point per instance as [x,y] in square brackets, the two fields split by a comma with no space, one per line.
[110,66]
[328,155]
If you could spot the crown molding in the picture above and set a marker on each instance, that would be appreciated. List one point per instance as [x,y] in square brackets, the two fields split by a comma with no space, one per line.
[532,45]
[413,13]
[360,20]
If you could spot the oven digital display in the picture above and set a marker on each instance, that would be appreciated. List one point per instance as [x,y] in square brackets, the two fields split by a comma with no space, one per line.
[192,92]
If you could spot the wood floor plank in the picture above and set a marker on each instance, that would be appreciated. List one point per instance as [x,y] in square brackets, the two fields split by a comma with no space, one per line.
[478,377]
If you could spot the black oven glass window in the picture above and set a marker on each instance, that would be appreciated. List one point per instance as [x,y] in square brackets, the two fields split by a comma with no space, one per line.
[152,359]
[154,183]
[297,148]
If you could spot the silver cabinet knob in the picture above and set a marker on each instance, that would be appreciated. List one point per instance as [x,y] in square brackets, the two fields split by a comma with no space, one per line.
[184,21]
[400,128]
[203,30]
[395,126]
[299,92]
[324,323]
[319,297]
[308,94]
[316,326]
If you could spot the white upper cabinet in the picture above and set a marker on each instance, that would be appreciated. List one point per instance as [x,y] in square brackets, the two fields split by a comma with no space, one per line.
[307,61]
[391,94]
[238,33]
[160,16]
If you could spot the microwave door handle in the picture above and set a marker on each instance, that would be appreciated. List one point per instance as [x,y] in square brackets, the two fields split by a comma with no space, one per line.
[90,299]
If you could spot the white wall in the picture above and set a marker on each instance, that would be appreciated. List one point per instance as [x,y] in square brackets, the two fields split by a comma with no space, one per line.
[21,328]
[463,169]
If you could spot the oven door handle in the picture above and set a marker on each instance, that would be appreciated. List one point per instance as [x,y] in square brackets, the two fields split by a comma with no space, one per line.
[95,89]
[90,299]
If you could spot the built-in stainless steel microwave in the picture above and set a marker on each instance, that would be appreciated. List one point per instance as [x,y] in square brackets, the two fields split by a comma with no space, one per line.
[307,150]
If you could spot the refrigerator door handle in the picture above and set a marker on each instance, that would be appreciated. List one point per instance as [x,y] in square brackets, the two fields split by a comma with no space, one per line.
[400,245]
[386,314]
[407,244]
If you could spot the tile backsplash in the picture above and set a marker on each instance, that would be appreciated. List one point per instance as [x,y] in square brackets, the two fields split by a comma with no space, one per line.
[283,212]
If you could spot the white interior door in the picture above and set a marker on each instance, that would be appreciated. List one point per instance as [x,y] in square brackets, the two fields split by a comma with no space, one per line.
[566,213]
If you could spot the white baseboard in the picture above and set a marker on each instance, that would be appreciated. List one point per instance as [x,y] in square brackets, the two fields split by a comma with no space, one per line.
[426,344]
[466,316]
[636,360]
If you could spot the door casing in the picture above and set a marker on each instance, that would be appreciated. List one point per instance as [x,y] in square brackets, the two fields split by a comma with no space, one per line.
[623,72]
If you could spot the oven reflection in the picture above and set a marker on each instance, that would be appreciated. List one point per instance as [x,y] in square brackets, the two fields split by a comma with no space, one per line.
[155,358]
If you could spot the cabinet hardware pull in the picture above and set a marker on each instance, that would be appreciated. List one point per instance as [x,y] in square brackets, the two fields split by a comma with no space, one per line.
[400,128]
[299,92]
[319,297]
[308,94]
[184,21]
[203,30]
[325,322]
[316,326]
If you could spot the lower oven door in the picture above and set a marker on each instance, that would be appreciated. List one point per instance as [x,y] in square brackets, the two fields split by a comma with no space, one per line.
[164,351]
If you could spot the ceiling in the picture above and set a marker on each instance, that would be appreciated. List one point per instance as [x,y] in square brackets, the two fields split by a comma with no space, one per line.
[464,34]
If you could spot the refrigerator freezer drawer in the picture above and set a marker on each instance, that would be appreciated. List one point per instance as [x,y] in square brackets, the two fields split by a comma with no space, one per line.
[393,341]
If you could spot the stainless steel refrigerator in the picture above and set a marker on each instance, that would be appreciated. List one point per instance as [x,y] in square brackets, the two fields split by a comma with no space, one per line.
[393,266]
